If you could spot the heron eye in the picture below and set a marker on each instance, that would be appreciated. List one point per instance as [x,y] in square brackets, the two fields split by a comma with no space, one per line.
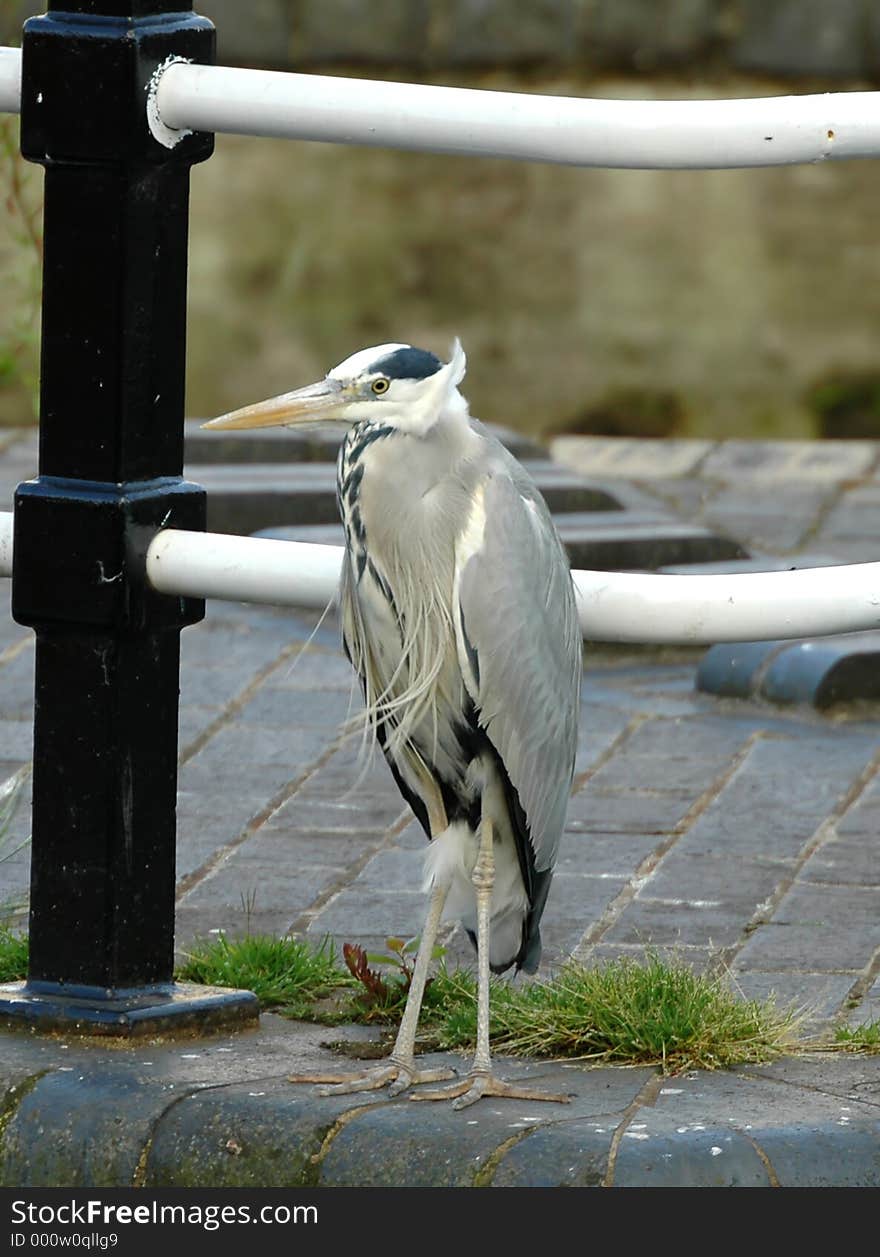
[381,385]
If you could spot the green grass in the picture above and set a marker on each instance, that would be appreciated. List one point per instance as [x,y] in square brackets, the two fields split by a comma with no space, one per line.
[282,972]
[626,1012]
[863,1038]
[13,955]
[648,1013]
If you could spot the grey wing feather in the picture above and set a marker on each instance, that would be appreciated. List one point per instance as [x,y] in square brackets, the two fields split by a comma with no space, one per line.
[519,618]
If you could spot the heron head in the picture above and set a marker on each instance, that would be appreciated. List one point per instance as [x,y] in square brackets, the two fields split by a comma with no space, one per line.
[397,386]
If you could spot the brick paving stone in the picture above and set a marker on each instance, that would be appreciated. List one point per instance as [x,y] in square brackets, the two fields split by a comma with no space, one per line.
[638,812]
[319,671]
[192,723]
[249,744]
[868,1010]
[578,902]
[213,687]
[815,996]
[17,687]
[710,923]
[16,738]
[222,768]
[712,880]
[365,814]
[304,848]
[635,459]
[248,898]
[700,736]
[797,461]
[275,707]
[857,548]
[399,866]
[217,643]
[372,912]
[779,521]
[811,776]
[673,773]
[854,520]
[864,815]
[845,858]
[615,693]
[826,927]
[604,855]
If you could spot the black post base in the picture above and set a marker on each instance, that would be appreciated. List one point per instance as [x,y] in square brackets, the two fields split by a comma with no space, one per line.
[178,1008]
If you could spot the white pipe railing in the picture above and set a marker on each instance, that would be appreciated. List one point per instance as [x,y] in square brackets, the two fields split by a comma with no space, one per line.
[244,569]
[10,80]
[562,130]
[613,606]
[644,134]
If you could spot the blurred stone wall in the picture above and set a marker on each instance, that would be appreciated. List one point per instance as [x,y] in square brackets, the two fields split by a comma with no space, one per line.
[834,39]
[720,303]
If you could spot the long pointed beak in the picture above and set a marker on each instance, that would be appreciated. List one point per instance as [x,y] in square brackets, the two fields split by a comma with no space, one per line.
[313,403]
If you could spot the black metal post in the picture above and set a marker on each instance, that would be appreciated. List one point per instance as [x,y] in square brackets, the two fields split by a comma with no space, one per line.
[110,474]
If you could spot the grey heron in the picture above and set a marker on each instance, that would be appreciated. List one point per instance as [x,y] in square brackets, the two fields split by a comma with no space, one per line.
[459,616]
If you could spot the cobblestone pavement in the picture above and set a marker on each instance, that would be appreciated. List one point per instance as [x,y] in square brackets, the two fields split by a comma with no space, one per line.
[732,833]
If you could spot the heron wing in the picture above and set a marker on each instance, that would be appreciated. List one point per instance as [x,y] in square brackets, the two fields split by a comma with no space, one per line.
[520,644]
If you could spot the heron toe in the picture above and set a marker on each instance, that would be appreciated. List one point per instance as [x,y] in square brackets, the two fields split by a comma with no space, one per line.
[478,1084]
[396,1076]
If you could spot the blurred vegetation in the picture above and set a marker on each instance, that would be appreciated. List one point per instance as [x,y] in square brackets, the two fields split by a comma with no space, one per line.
[846,404]
[693,303]
[630,411]
[702,303]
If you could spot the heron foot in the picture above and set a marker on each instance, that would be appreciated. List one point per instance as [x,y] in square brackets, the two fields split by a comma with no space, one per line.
[397,1076]
[480,1083]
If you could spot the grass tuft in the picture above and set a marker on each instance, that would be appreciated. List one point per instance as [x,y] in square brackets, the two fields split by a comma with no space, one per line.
[283,973]
[13,955]
[627,1012]
[863,1038]
[647,1013]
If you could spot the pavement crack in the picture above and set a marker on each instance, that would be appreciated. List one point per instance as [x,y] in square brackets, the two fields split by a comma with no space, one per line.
[860,987]
[221,854]
[139,1175]
[12,1098]
[235,705]
[345,1119]
[485,1174]
[646,867]
[632,726]
[762,1156]
[348,874]
[646,1098]
[763,914]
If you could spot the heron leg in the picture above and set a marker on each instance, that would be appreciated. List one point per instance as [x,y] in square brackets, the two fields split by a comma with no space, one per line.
[480,1081]
[400,1071]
